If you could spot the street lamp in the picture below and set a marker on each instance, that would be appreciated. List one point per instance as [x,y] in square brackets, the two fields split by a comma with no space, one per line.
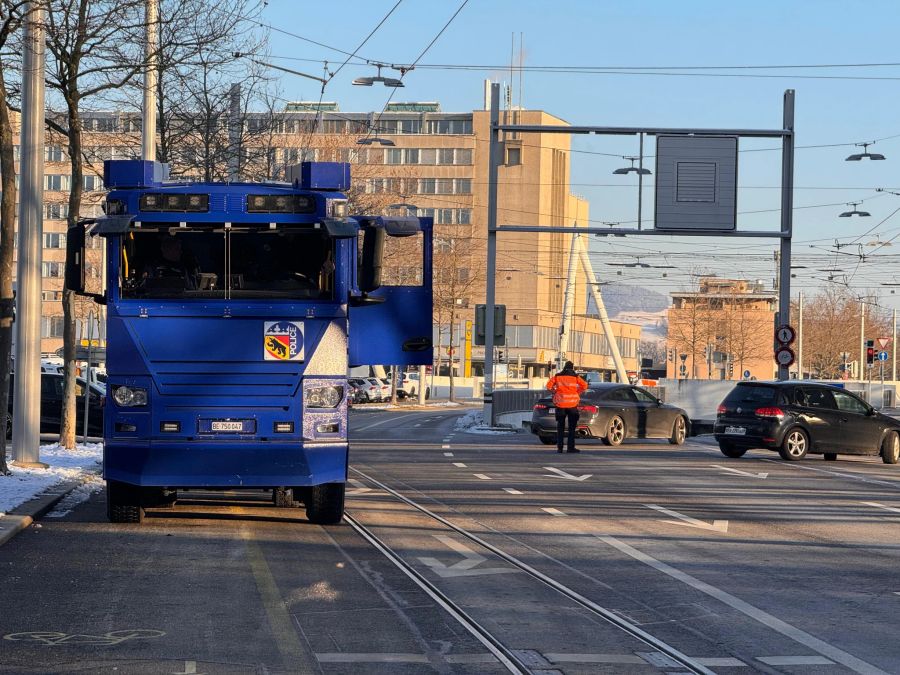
[387,81]
[865,154]
[855,212]
[368,140]
[641,171]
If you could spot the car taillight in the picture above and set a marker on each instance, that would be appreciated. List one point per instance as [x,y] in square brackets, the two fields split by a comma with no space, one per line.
[587,408]
[540,406]
[770,411]
[721,410]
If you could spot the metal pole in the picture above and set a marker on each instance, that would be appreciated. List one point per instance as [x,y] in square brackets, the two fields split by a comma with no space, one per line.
[490,290]
[234,134]
[87,376]
[565,325]
[151,56]
[800,340]
[862,342]
[640,179]
[894,350]
[27,394]
[421,391]
[787,219]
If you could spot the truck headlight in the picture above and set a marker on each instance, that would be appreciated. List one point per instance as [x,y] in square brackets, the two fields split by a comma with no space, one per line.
[129,397]
[324,397]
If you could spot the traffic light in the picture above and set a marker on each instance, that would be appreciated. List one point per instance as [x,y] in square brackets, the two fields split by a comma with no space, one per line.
[499,356]
[870,351]
[730,369]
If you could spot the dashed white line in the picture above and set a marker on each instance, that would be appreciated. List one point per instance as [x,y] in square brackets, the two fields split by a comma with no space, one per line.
[552,511]
[512,491]
[795,660]
[459,464]
[448,454]
[881,506]
[481,476]
[445,447]
[417,425]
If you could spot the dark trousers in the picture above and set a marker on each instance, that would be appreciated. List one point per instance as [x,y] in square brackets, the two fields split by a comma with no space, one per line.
[563,414]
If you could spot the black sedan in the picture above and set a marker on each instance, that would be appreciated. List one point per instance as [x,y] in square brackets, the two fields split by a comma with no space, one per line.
[799,418]
[613,412]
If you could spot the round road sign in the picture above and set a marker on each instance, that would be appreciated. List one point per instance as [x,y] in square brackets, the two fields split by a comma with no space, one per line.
[784,356]
[785,334]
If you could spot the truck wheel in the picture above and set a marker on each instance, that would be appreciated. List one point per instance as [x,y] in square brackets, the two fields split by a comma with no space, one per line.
[326,504]
[123,503]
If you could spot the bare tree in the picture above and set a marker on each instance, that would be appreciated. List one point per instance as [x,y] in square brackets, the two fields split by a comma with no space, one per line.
[94,47]
[689,330]
[10,23]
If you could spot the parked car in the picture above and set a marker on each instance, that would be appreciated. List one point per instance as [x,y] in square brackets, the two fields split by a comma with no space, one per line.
[368,391]
[798,418]
[51,405]
[613,412]
[409,384]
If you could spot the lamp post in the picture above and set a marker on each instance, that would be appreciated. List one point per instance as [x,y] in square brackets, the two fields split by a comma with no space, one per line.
[640,171]
[386,81]
[854,212]
[865,154]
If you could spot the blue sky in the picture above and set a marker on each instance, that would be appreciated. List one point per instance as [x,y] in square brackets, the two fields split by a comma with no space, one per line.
[658,34]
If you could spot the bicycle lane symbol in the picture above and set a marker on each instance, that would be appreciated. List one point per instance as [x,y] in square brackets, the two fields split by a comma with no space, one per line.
[53,639]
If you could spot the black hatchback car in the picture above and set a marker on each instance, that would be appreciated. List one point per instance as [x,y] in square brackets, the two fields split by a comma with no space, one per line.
[613,412]
[797,418]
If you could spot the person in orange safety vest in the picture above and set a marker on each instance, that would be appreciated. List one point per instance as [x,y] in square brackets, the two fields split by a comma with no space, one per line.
[567,387]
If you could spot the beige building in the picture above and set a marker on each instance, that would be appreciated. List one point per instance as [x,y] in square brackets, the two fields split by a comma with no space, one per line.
[722,331]
[422,161]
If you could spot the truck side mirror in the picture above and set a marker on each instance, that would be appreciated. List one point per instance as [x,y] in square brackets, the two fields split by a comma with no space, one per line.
[75,267]
[372,254]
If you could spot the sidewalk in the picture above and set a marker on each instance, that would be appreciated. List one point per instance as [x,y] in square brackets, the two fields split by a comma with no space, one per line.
[29,494]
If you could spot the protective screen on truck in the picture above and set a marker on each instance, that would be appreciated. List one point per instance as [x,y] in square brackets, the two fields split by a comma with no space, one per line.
[215,263]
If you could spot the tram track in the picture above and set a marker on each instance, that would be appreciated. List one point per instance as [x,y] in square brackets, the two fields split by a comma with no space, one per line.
[505,655]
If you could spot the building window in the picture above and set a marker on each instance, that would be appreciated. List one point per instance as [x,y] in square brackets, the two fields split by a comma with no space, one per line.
[513,156]
[92,183]
[53,269]
[53,153]
[449,127]
[54,240]
[56,211]
[51,296]
[131,124]
[52,326]
[55,182]
[463,156]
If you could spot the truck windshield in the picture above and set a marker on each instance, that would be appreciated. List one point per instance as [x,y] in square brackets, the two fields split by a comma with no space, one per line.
[214,263]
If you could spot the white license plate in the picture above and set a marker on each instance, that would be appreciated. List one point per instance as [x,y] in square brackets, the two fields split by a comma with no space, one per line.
[735,431]
[227,426]
[550,411]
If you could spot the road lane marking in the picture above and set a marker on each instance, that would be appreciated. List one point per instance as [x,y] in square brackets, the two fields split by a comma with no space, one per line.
[359,487]
[391,418]
[881,506]
[293,655]
[738,472]
[190,668]
[559,473]
[382,657]
[481,476]
[552,511]
[445,446]
[720,662]
[795,660]
[512,491]
[459,464]
[462,568]
[776,624]
[716,526]
[595,658]
[851,476]
[448,454]
[417,425]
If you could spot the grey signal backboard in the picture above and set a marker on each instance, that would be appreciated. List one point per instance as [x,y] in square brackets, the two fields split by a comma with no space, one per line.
[696,183]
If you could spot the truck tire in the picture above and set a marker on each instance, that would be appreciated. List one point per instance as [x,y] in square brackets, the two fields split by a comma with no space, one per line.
[123,503]
[326,504]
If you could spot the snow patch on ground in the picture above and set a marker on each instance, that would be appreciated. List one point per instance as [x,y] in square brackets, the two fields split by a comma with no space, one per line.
[473,423]
[80,464]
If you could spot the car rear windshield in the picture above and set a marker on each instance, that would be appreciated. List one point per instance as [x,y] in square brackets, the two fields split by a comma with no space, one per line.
[752,395]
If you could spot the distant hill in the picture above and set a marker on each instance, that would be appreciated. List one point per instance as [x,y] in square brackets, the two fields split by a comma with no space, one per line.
[619,299]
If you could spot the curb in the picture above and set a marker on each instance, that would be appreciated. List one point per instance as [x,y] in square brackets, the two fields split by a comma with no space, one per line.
[34,509]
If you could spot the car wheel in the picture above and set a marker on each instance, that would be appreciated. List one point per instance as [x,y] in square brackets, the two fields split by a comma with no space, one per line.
[795,445]
[615,431]
[325,505]
[123,503]
[890,448]
[830,456]
[547,440]
[679,431]
[731,451]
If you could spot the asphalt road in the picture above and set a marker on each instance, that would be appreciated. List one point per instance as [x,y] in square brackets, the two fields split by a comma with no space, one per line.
[748,565]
